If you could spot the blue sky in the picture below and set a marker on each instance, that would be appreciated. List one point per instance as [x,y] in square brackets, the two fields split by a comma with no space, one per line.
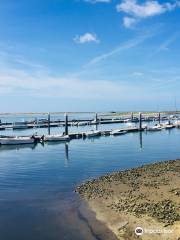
[89,55]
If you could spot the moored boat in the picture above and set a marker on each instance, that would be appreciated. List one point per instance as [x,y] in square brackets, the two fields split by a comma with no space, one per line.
[118,132]
[154,128]
[56,137]
[93,133]
[169,126]
[177,124]
[16,140]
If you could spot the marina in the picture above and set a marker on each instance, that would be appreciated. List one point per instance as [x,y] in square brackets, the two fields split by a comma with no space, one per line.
[100,118]
[94,128]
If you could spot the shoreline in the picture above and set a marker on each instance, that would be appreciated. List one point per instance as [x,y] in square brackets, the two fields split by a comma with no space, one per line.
[147,196]
[108,113]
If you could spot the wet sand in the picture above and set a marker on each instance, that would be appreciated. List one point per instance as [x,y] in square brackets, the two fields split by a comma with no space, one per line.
[148,196]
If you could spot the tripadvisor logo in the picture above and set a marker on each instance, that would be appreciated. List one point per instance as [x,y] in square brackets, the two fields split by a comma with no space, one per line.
[139,231]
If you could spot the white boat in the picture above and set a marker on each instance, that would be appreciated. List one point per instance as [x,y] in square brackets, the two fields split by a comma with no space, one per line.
[93,133]
[118,132]
[16,140]
[177,124]
[169,126]
[128,120]
[154,128]
[56,137]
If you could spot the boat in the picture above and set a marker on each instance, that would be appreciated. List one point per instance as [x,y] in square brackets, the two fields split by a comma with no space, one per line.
[56,137]
[177,124]
[118,132]
[93,133]
[16,140]
[169,126]
[154,128]
[127,120]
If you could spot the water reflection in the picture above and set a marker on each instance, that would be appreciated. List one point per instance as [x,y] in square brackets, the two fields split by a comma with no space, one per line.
[18,147]
[141,139]
[66,154]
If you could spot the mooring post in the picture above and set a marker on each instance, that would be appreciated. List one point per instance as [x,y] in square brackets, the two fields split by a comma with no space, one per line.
[49,123]
[96,120]
[140,121]
[159,118]
[66,124]
[132,116]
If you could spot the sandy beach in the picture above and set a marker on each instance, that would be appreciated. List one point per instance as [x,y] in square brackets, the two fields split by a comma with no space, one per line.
[147,197]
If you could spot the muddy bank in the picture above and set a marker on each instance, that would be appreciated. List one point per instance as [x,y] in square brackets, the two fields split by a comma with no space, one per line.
[148,196]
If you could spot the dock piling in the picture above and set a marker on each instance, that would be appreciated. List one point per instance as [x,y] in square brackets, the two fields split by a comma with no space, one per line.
[132,116]
[140,121]
[159,118]
[66,124]
[96,119]
[49,124]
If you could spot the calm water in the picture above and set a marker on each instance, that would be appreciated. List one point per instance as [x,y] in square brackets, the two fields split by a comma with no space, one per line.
[37,199]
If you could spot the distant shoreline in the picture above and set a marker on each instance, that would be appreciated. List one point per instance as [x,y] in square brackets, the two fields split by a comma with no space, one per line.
[100,113]
[147,196]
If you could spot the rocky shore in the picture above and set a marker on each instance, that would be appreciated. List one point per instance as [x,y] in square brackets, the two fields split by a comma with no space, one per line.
[146,197]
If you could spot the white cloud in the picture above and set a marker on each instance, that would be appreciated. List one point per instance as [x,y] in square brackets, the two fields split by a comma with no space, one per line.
[138,74]
[143,10]
[41,82]
[86,38]
[129,22]
[98,1]
[147,9]
[15,82]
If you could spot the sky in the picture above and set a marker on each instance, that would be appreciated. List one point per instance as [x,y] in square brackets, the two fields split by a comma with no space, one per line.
[89,55]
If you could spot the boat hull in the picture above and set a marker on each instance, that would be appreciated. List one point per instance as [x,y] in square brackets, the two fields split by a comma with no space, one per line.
[153,129]
[56,138]
[93,134]
[115,133]
[16,141]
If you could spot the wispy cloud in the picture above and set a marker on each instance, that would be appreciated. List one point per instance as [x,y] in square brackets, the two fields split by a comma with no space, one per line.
[138,74]
[19,76]
[9,56]
[13,82]
[40,82]
[164,46]
[86,38]
[98,1]
[144,10]
[127,45]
